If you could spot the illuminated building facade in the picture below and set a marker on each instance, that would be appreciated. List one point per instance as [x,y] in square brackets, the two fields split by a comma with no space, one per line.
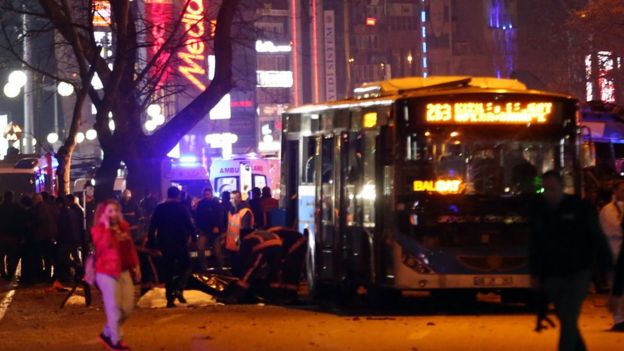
[358,42]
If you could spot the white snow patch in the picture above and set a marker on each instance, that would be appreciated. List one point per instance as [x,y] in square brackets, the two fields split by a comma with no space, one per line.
[156,298]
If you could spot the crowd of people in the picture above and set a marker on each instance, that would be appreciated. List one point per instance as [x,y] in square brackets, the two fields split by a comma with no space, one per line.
[51,234]
[141,242]
[45,232]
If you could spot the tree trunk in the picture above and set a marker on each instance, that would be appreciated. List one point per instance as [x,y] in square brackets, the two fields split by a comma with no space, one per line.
[145,174]
[106,175]
[63,172]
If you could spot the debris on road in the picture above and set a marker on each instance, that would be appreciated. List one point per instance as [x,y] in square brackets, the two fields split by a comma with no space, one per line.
[156,298]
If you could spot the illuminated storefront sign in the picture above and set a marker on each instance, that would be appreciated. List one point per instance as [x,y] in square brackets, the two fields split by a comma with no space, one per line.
[222,109]
[101,13]
[275,79]
[440,186]
[193,54]
[489,112]
[160,13]
[270,47]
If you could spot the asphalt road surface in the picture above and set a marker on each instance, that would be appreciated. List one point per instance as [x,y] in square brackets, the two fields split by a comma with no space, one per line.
[30,319]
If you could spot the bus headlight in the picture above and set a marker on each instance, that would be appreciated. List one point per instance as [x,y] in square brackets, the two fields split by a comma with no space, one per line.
[419,263]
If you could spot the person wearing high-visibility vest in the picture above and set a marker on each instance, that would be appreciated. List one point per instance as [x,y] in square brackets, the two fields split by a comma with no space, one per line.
[240,223]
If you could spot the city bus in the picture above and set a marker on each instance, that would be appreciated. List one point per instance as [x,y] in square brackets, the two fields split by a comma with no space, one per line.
[425,183]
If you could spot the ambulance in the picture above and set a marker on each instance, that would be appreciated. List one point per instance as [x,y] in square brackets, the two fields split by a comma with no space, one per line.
[245,172]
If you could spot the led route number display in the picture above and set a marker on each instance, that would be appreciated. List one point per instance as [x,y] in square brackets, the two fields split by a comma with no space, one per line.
[442,186]
[489,112]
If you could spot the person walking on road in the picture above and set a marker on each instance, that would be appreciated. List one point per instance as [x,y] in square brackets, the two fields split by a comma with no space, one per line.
[171,231]
[611,222]
[566,243]
[208,215]
[116,267]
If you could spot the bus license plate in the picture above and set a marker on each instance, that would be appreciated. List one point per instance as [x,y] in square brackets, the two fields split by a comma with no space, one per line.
[493,281]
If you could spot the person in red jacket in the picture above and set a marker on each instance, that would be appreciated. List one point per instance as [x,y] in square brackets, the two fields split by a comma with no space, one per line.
[116,265]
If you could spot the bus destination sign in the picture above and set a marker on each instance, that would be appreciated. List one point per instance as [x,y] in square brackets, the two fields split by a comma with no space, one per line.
[468,112]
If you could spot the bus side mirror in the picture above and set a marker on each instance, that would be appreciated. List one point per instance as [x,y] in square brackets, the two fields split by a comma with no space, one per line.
[588,154]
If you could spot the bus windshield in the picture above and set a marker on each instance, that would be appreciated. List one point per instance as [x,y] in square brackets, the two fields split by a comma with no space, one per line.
[472,161]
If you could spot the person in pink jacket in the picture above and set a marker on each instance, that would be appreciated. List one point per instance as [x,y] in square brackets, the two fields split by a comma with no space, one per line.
[116,266]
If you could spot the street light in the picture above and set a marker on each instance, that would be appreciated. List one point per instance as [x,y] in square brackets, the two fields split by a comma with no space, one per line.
[18,78]
[11,90]
[80,137]
[65,89]
[52,138]
[159,119]
[153,110]
[91,134]
[150,125]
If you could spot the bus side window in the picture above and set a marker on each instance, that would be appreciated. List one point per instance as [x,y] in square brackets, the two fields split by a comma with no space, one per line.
[309,157]
[353,172]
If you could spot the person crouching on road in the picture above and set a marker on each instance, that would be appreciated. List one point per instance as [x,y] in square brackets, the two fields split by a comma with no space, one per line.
[116,264]
[260,254]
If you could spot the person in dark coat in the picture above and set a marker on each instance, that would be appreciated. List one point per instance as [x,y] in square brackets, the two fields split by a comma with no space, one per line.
[268,204]
[171,231]
[30,265]
[12,219]
[208,218]
[255,204]
[131,212]
[44,237]
[566,243]
[70,239]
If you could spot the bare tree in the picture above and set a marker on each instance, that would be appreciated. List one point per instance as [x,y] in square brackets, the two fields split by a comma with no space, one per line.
[132,80]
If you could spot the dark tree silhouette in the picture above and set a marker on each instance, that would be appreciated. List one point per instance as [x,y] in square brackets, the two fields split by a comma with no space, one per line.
[130,79]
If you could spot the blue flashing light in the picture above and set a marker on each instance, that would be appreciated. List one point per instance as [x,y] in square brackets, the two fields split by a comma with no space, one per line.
[424,47]
[423,16]
[186,160]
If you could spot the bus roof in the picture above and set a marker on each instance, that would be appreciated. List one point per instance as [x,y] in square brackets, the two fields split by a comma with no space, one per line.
[388,91]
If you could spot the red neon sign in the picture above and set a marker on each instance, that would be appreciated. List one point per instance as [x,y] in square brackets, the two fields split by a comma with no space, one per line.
[159,12]
[193,53]
[371,21]
[243,103]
